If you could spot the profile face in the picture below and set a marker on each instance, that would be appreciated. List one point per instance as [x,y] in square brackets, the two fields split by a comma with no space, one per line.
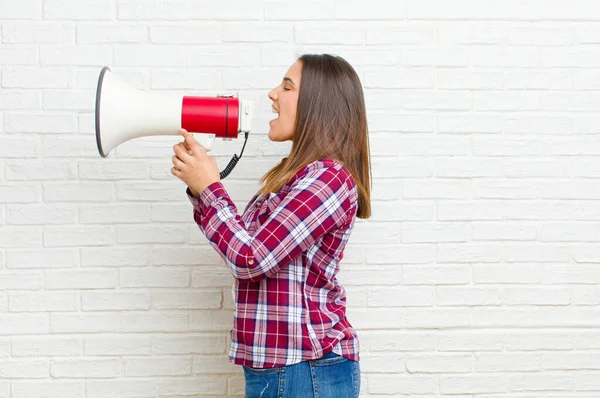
[285,105]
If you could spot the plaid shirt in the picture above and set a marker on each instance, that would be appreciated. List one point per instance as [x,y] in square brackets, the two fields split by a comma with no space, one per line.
[284,253]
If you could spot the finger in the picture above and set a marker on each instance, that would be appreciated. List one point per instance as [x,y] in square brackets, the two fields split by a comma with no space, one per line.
[184,132]
[192,145]
[175,172]
[177,163]
[183,146]
[182,153]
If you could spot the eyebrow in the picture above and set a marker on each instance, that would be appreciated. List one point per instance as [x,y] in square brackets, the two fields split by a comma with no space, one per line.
[289,80]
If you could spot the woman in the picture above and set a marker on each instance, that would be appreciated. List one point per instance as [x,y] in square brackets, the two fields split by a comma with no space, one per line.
[290,332]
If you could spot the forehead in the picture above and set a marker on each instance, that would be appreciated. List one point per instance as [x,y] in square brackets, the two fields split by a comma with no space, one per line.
[295,72]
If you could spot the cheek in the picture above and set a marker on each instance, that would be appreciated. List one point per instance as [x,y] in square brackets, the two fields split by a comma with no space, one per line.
[291,113]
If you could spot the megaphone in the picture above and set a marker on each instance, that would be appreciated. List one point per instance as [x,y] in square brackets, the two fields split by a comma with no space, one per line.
[124,113]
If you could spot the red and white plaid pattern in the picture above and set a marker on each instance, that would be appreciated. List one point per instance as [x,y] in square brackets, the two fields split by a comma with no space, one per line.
[284,253]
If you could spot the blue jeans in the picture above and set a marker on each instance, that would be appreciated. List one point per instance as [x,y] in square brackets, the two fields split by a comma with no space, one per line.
[332,376]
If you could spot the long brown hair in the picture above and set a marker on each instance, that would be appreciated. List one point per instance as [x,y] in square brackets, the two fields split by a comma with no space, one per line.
[331,122]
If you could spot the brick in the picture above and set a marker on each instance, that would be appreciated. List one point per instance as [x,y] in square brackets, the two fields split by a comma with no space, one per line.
[114,256]
[541,382]
[111,32]
[82,10]
[394,167]
[151,191]
[115,301]
[290,11]
[19,324]
[157,366]
[53,389]
[117,345]
[33,77]
[182,33]
[402,210]
[171,212]
[210,320]
[385,33]
[144,54]
[70,323]
[39,123]
[193,299]
[46,346]
[230,55]
[208,384]
[21,281]
[471,33]
[257,32]
[32,214]
[400,384]
[44,301]
[469,384]
[113,387]
[502,231]
[153,277]
[507,273]
[82,192]
[62,100]
[189,344]
[113,170]
[81,55]
[19,100]
[130,234]
[424,232]
[80,279]
[317,33]
[164,321]
[85,368]
[38,32]
[442,363]
[471,10]
[27,9]
[435,57]
[89,235]
[407,254]
[574,11]
[32,170]
[227,10]
[186,79]
[508,362]
[405,297]
[21,237]
[19,193]
[115,214]
[376,10]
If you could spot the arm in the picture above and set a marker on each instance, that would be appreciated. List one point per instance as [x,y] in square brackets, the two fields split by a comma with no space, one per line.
[317,202]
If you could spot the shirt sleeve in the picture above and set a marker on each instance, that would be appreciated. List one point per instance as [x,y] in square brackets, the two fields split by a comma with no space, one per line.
[317,202]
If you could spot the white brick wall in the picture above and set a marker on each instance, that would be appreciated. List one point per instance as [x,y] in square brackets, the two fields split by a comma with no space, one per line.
[476,277]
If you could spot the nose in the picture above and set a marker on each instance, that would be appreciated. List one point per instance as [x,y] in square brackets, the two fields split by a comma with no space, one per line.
[273,95]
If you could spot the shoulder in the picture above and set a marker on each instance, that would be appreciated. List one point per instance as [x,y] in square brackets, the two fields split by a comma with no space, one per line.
[330,171]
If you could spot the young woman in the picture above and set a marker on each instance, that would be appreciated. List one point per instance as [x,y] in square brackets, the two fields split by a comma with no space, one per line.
[290,331]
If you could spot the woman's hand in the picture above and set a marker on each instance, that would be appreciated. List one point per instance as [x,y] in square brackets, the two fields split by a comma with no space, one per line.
[192,165]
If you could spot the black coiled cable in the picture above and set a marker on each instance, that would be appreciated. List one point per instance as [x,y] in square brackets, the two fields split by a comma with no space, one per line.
[233,162]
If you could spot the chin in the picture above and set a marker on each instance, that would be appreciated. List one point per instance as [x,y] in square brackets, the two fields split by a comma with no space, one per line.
[280,136]
[274,137]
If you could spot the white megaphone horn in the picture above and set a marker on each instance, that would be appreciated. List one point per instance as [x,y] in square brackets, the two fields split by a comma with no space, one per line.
[124,113]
